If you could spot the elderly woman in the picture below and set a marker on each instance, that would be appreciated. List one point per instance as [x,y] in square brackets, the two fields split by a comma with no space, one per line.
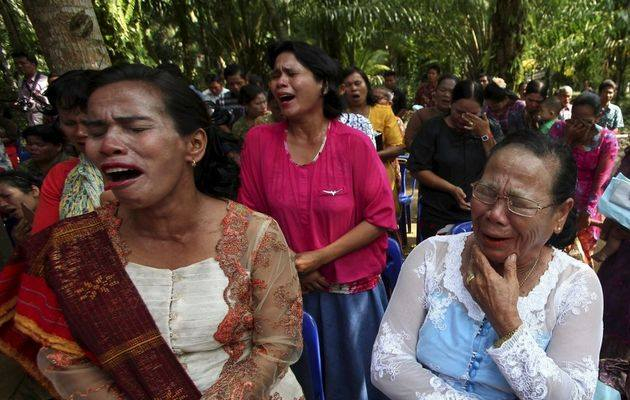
[449,155]
[498,313]
[595,150]
[324,183]
[176,292]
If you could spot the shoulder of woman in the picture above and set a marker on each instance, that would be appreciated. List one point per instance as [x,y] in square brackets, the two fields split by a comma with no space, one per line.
[571,269]
[69,231]
[382,109]
[438,247]
[434,125]
[349,134]
[265,132]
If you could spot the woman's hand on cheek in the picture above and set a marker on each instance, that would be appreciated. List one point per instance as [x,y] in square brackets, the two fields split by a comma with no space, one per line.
[496,295]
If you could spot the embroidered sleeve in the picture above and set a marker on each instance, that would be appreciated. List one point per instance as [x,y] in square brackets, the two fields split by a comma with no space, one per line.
[395,369]
[568,368]
[276,320]
[76,377]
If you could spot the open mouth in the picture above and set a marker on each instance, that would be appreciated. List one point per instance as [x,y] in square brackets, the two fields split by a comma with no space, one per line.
[122,174]
[285,98]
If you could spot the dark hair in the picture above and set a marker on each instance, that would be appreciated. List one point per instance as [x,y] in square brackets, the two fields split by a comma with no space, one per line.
[434,67]
[248,93]
[589,99]
[370,99]
[564,181]
[48,133]
[172,69]
[536,86]
[20,180]
[494,92]
[444,77]
[70,90]
[213,77]
[255,80]
[29,57]
[389,73]
[608,83]
[215,174]
[324,68]
[468,90]
[233,69]
[482,74]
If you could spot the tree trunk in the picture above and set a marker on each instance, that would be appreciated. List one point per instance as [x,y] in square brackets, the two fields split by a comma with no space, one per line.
[508,24]
[183,21]
[68,33]
[278,26]
[12,26]
[4,67]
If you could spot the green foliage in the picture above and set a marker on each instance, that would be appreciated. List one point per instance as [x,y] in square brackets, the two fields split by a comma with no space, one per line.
[574,40]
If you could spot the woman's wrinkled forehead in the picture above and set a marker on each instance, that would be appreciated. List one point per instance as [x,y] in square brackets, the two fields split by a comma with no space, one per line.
[520,171]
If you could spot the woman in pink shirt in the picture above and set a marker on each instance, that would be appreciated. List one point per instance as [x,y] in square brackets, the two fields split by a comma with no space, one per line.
[325,185]
[595,150]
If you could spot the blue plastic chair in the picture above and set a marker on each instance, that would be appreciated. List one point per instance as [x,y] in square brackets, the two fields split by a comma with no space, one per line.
[462,227]
[313,355]
[394,263]
[404,199]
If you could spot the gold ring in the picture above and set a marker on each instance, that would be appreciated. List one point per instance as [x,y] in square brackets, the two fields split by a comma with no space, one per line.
[470,278]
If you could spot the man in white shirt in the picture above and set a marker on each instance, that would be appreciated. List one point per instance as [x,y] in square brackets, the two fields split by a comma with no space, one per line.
[564,95]
[31,99]
[215,87]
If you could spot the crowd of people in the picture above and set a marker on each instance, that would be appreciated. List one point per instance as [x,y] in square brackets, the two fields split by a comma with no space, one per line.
[165,241]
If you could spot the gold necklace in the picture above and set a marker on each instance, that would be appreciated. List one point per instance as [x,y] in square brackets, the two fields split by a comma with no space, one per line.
[520,284]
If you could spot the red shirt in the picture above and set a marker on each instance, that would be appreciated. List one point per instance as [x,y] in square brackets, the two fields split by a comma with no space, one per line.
[317,203]
[47,212]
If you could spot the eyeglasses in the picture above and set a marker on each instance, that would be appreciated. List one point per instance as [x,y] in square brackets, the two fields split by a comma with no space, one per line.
[515,204]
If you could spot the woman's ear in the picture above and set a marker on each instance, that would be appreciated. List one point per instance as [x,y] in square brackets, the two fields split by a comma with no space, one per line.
[561,214]
[196,146]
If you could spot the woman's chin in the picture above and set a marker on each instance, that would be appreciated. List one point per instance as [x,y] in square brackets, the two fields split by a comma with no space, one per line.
[496,251]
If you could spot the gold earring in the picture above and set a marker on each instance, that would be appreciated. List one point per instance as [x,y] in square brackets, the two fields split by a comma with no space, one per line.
[194,163]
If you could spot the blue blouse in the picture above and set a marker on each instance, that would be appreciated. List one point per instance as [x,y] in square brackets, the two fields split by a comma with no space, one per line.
[435,342]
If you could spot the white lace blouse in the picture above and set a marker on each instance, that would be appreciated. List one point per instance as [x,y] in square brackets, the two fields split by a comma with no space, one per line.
[435,343]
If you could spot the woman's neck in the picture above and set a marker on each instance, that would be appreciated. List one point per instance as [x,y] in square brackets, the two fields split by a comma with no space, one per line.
[310,129]
[172,218]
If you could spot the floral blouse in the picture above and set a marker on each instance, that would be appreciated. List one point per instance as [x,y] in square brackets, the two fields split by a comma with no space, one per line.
[595,164]
[435,342]
[234,331]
